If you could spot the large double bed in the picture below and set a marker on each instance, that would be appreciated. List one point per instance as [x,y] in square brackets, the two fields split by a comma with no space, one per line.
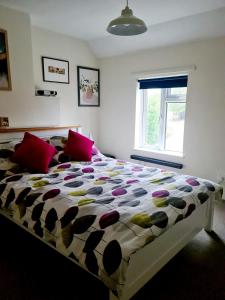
[119,220]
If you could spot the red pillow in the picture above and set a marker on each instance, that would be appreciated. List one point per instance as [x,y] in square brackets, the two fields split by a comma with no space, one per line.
[34,153]
[78,147]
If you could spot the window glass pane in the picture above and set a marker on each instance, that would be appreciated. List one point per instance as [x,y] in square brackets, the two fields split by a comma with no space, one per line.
[175,126]
[152,136]
[178,91]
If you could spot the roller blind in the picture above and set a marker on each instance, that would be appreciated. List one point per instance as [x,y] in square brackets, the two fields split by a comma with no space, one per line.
[163,82]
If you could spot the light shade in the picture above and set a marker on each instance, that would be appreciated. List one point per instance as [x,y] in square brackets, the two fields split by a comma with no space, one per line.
[127,24]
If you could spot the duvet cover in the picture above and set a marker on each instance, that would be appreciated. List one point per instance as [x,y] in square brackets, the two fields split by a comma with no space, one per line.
[99,213]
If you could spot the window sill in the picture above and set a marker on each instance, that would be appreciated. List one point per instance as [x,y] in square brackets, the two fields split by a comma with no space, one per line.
[161,153]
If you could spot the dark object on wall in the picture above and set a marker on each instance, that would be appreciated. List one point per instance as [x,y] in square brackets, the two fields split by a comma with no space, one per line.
[157,161]
[4,122]
[45,93]
[55,70]
[88,82]
[5,77]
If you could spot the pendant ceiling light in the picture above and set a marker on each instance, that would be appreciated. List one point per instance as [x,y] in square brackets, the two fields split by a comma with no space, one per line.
[127,24]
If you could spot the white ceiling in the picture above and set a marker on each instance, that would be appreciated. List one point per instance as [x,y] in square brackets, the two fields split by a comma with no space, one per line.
[168,21]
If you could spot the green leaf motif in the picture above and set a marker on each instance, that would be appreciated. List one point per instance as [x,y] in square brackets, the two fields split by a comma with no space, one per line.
[142,220]
[35,178]
[85,202]
[160,202]
[78,193]
[40,183]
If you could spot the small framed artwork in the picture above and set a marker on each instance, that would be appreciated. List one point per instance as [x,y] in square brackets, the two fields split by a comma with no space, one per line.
[55,70]
[4,122]
[88,80]
[5,77]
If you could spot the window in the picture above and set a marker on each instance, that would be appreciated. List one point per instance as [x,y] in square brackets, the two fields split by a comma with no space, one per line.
[161,105]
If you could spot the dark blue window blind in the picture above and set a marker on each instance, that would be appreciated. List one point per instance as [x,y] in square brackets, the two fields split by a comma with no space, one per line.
[163,82]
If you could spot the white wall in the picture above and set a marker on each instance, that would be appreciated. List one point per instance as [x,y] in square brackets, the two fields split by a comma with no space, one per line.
[18,104]
[26,46]
[204,144]
[204,140]
[47,43]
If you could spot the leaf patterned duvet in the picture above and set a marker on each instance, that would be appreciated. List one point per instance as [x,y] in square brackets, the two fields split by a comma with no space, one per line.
[99,213]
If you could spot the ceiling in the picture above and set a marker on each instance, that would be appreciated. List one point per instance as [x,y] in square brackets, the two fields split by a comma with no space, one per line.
[168,21]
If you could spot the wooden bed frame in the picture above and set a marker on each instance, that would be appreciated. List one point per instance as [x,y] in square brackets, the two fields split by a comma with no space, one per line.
[9,133]
[146,262]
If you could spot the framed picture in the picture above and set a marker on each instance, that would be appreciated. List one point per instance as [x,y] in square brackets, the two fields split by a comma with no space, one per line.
[55,70]
[5,77]
[88,80]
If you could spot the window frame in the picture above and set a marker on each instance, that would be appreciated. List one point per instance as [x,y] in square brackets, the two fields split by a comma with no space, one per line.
[166,98]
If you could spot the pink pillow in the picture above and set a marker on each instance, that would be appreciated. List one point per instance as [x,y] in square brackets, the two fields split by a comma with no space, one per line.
[34,153]
[78,147]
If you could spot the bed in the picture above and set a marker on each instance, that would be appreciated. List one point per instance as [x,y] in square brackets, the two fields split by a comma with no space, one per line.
[119,220]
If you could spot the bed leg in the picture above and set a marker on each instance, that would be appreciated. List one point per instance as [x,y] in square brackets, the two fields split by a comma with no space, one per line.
[210,213]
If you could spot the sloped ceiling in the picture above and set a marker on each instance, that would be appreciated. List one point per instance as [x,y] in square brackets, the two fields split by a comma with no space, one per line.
[168,21]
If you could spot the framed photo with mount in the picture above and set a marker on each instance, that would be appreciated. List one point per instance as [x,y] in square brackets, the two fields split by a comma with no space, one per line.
[88,81]
[55,70]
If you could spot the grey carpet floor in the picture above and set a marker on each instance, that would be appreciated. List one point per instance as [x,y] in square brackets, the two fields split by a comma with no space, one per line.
[29,270]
